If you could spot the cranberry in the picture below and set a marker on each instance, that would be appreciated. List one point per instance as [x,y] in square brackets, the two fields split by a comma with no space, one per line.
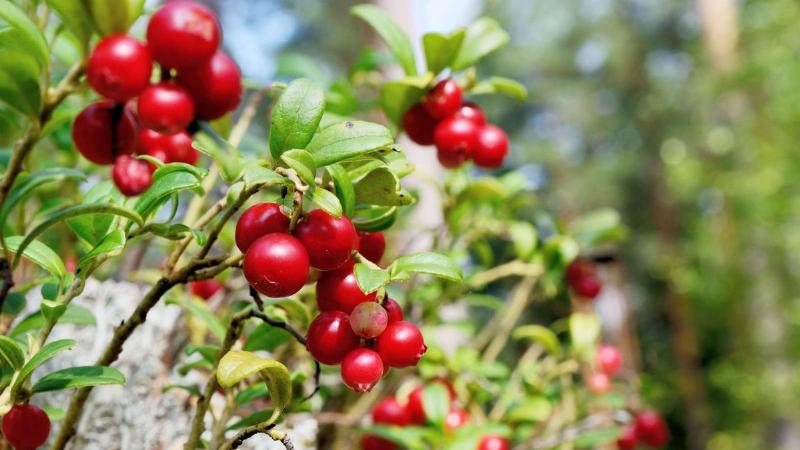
[205,289]
[166,108]
[369,320]
[455,419]
[338,290]
[609,359]
[494,442]
[393,310]
[216,86]
[178,148]
[276,265]
[651,429]
[119,67]
[372,442]
[371,245]
[599,383]
[330,337]
[443,100]
[104,130]
[419,125]
[472,112]
[131,175]
[183,34]
[329,240]
[149,140]
[456,140]
[492,147]
[401,345]
[26,427]
[362,368]
[258,220]
[628,439]
[390,412]
[582,277]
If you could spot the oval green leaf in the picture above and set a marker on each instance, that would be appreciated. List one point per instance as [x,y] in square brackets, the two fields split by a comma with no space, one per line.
[296,116]
[76,377]
[237,365]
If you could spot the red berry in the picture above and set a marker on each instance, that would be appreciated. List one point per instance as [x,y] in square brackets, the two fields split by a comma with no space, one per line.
[494,442]
[443,100]
[131,175]
[276,265]
[628,439]
[216,86]
[455,419]
[393,310]
[166,108]
[183,34]
[178,147]
[472,112]
[401,345]
[362,368]
[456,140]
[149,140]
[599,383]
[330,337]
[371,245]
[372,442]
[329,240]
[609,359]
[369,320]
[415,404]
[26,427]
[338,290]
[119,67]
[390,412]
[651,429]
[104,130]
[259,220]
[582,277]
[419,125]
[492,147]
[205,289]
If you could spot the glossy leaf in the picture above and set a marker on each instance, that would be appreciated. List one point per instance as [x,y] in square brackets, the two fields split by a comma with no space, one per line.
[370,279]
[500,85]
[77,377]
[427,263]
[347,140]
[39,254]
[75,16]
[23,34]
[91,229]
[47,352]
[394,36]
[114,17]
[303,163]
[167,181]
[344,188]
[482,37]
[112,245]
[11,353]
[441,49]
[74,314]
[326,201]
[295,117]
[382,187]
[237,365]
[399,96]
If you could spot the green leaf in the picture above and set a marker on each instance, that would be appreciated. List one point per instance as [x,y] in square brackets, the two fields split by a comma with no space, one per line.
[27,185]
[255,175]
[222,152]
[237,365]
[584,329]
[599,227]
[399,96]
[348,139]
[14,304]
[20,80]
[75,17]
[482,37]
[541,335]
[344,188]
[11,353]
[91,229]
[194,390]
[524,237]
[266,337]
[500,85]
[597,437]
[114,17]
[167,181]
[39,254]
[262,415]
[303,163]
[200,310]
[436,402]
[425,262]
[24,34]
[441,49]
[382,187]
[326,201]
[531,409]
[52,310]
[10,128]
[391,33]
[112,245]
[47,352]
[370,279]
[374,218]
[74,314]
[296,116]
[77,377]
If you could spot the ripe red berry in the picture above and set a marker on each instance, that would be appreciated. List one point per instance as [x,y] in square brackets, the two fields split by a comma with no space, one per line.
[419,125]
[443,100]
[330,337]
[393,310]
[131,175]
[205,289]
[390,412]
[456,140]
[372,442]
[628,439]
[149,140]
[104,130]
[583,279]
[472,112]
[259,220]
[119,67]
[492,147]
[183,34]
[494,442]
[178,147]
[338,290]
[401,345]
[651,429]
[609,359]
[216,86]
[276,265]
[166,108]
[455,418]
[371,245]
[26,427]
[329,240]
[599,383]
[369,320]
[362,368]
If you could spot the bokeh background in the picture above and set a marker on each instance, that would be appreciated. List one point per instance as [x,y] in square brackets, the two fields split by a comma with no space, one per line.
[683,117]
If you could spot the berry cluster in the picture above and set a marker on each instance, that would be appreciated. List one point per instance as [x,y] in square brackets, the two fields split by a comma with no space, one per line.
[582,277]
[198,81]
[648,428]
[26,427]
[608,361]
[390,411]
[457,128]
